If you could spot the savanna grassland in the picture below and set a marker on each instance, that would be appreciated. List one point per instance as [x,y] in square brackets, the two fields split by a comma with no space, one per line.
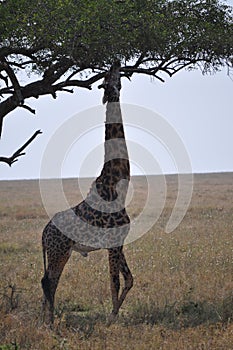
[183,291]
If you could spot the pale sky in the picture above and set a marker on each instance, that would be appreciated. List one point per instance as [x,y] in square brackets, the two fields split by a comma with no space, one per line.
[199,109]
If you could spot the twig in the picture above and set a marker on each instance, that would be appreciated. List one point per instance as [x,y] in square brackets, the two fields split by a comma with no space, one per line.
[33,111]
[19,153]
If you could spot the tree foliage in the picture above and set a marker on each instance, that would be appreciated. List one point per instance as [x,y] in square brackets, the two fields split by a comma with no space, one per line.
[61,44]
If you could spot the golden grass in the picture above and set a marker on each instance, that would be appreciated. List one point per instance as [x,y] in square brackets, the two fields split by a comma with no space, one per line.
[182,296]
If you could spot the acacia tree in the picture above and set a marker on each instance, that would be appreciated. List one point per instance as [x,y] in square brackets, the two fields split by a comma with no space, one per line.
[62,44]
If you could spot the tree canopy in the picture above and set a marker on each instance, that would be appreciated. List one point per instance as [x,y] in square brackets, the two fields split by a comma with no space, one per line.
[62,44]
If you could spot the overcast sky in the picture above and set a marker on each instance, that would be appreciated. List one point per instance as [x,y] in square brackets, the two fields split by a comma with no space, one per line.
[198,108]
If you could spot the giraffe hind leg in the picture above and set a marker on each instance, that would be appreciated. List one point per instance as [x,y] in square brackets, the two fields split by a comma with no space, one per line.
[48,299]
[51,278]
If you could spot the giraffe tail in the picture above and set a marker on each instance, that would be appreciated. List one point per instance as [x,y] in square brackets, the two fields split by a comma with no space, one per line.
[44,259]
[45,282]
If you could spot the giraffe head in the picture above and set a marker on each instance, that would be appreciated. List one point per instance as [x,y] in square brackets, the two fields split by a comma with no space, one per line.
[112,84]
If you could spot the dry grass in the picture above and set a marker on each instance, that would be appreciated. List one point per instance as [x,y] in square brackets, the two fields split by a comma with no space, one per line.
[182,297]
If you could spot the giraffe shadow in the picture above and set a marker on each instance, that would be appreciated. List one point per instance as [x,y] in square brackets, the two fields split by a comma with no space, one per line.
[81,320]
[176,316]
[186,314]
[81,323]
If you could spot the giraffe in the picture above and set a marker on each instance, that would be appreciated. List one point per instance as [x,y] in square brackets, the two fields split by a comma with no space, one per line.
[100,220]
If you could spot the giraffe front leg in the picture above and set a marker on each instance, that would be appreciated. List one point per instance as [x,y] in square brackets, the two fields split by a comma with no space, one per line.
[114,268]
[117,263]
[128,278]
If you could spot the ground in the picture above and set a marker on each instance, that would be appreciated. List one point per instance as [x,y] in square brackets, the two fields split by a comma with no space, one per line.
[182,296]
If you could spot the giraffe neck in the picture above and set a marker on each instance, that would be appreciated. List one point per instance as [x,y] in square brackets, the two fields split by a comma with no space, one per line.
[112,184]
[115,145]
[113,181]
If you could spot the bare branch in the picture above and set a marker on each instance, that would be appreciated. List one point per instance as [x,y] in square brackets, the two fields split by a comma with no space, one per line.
[22,64]
[45,86]
[80,83]
[4,78]
[24,51]
[56,70]
[13,79]
[71,91]
[140,60]
[94,79]
[33,111]
[77,83]
[7,90]
[147,71]
[76,71]
[19,152]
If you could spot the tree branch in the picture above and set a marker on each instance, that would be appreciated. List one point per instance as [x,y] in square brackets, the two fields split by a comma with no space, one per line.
[5,79]
[147,71]
[13,79]
[24,51]
[22,64]
[33,111]
[6,90]
[54,74]
[19,152]
[79,83]
[56,70]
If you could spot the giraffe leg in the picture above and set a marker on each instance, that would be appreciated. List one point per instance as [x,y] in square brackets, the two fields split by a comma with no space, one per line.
[128,278]
[117,263]
[50,281]
[114,268]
